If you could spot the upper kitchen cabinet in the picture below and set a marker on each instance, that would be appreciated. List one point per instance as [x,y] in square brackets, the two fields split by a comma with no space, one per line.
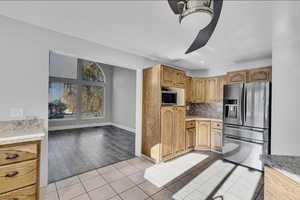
[222,80]
[188,91]
[198,90]
[211,90]
[171,77]
[260,74]
[238,76]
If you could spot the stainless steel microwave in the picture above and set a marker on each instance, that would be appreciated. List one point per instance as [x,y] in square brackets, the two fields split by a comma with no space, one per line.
[169,98]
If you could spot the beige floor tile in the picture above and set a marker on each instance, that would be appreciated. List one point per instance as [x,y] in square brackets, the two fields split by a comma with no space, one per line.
[122,184]
[51,196]
[115,198]
[138,177]
[140,163]
[149,188]
[51,188]
[107,169]
[162,195]
[113,176]
[134,194]
[88,175]
[82,197]
[120,165]
[70,192]
[175,187]
[129,170]
[67,182]
[102,193]
[93,183]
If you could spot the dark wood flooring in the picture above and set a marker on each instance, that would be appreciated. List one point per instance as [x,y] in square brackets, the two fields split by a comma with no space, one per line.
[72,152]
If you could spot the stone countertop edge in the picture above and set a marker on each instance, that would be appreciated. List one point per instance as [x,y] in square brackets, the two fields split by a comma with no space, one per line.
[22,138]
[288,165]
[190,118]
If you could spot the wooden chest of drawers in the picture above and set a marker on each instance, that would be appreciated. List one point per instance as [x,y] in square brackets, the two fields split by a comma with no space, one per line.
[19,171]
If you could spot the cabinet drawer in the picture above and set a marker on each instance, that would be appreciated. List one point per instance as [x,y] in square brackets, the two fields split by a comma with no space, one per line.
[190,124]
[28,193]
[18,175]
[13,154]
[216,125]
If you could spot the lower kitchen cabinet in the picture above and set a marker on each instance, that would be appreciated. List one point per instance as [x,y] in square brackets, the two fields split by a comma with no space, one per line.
[216,140]
[172,131]
[203,135]
[190,138]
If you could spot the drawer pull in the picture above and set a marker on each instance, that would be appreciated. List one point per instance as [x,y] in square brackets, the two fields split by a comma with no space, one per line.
[13,199]
[11,174]
[12,156]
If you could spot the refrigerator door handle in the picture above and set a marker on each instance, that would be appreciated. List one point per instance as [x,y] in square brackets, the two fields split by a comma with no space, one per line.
[245,104]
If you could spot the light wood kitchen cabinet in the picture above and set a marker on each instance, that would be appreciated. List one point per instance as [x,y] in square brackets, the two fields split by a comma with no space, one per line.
[198,90]
[260,74]
[167,131]
[203,135]
[171,77]
[179,129]
[216,140]
[277,186]
[238,76]
[19,171]
[211,90]
[222,80]
[188,91]
[190,135]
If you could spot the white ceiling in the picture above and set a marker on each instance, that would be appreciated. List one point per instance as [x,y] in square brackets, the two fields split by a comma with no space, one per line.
[150,29]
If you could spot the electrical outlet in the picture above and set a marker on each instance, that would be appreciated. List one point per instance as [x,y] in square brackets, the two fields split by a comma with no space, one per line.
[16,113]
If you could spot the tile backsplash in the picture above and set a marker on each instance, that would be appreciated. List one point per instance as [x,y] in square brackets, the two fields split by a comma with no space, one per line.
[206,110]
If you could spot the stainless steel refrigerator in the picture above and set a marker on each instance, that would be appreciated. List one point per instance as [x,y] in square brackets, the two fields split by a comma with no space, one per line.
[246,115]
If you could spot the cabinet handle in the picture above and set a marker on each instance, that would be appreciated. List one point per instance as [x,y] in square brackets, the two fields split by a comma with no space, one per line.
[11,174]
[12,156]
[13,199]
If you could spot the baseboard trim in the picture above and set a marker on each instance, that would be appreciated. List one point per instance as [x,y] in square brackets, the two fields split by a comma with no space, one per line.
[123,127]
[57,128]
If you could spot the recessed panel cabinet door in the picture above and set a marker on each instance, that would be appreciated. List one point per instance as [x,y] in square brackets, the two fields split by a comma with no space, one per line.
[190,138]
[179,129]
[198,90]
[211,90]
[203,135]
[216,139]
[168,77]
[167,131]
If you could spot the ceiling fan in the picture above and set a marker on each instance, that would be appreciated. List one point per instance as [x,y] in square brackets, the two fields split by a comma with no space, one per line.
[205,13]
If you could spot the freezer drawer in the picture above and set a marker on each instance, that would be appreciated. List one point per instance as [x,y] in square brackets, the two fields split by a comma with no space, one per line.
[243,152]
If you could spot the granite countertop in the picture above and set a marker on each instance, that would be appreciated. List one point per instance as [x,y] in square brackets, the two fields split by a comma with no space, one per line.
[191,117]
[16,131]
[288,165]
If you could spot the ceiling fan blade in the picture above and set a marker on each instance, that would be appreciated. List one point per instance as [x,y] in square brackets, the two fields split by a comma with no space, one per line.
[205,34]
[177,8]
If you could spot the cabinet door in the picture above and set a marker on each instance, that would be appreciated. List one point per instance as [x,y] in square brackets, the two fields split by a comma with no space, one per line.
[180,79]
[179,129]
[188,89]
[203,135]
[238,76]
[167,131]
[211,90]
[220,88]
[190,138]
[260,74]
[168,77]
[198,90]
[216,141]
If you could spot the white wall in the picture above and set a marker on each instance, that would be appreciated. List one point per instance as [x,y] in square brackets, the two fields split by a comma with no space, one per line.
[286,77]
[124,98]
[24,68]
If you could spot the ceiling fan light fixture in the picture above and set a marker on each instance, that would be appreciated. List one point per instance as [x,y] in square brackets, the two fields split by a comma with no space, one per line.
[197,14]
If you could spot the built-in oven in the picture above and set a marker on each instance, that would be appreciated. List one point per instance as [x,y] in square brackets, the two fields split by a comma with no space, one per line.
[169,98]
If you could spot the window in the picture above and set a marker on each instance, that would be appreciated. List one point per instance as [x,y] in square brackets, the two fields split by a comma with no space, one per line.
[75,98]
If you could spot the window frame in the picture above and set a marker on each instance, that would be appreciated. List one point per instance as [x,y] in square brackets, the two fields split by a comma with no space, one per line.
[79,83]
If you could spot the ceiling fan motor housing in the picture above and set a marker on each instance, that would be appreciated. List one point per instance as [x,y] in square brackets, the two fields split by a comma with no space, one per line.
[193,6]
